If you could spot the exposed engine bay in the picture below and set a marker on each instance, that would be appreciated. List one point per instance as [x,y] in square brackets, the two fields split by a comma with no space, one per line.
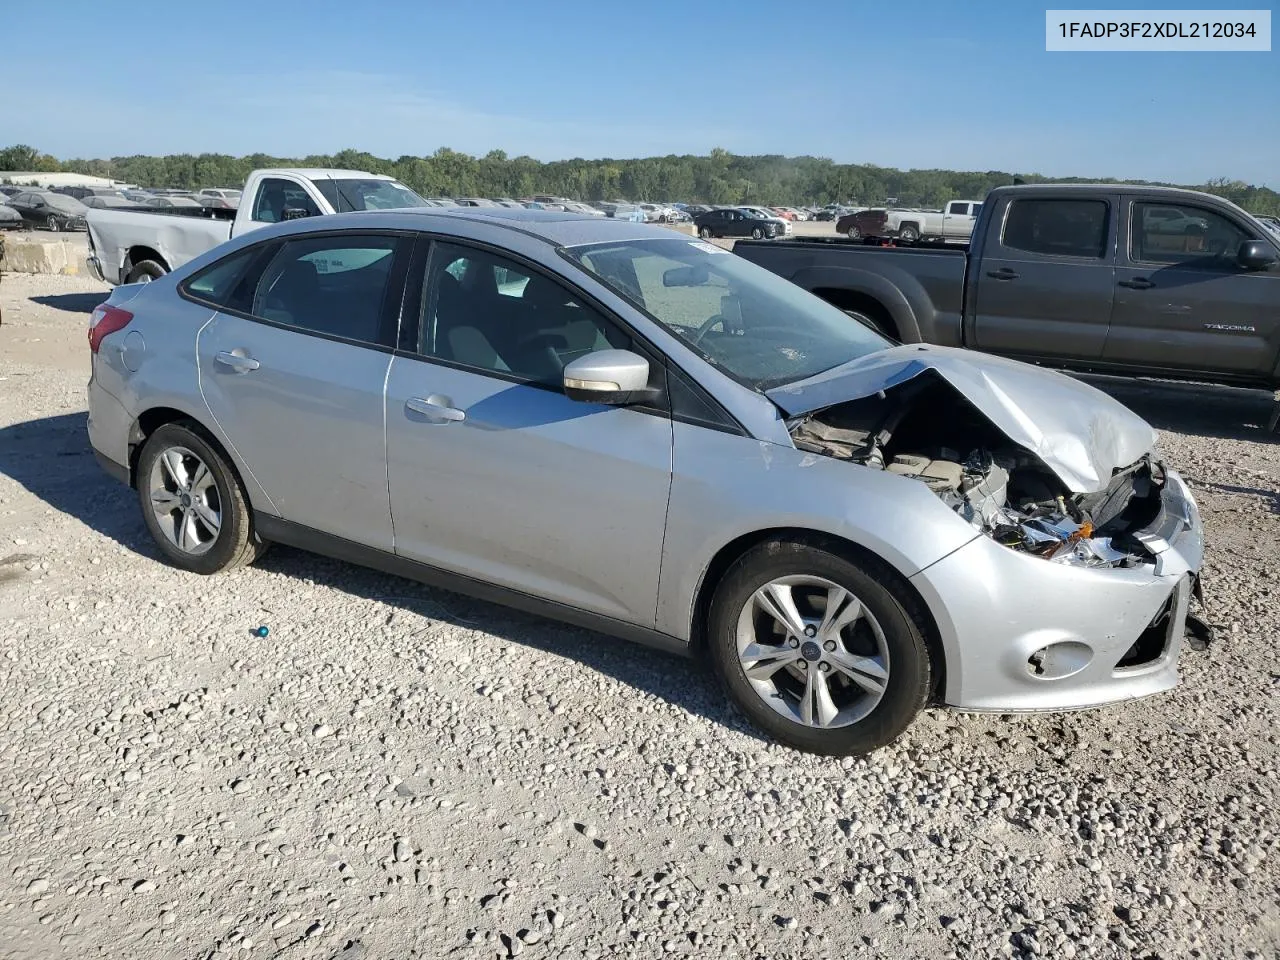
[927,430]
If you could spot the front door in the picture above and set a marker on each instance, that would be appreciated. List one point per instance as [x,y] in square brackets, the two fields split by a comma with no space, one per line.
[1182,300]
[494,472]
[294,380]
[1045,282]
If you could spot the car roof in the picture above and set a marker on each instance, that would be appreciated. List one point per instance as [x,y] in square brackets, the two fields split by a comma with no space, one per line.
[555,227]
[1094,188]
[325,173]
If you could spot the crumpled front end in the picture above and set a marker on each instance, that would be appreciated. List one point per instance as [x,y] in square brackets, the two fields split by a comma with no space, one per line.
[1022,634]
[1075,591]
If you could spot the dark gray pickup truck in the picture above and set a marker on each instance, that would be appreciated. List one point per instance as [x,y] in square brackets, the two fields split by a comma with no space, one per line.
[1138,280]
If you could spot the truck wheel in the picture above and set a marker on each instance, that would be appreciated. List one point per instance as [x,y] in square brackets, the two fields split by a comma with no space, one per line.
[908,232]
[879,326]
[823,652]
[52,224]
[757,234]
[853,233]
[704,233]
[145,272]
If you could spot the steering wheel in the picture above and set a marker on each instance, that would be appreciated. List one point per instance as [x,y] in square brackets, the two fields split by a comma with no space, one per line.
[705,328]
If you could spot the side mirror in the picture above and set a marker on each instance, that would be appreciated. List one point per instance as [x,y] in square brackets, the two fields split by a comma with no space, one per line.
[293,213]
[608,376]
[1255,255]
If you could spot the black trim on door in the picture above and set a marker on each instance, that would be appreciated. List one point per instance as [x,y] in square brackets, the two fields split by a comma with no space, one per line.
[277,530]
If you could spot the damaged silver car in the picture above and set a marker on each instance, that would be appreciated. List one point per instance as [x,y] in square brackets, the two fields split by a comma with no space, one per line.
[634,431]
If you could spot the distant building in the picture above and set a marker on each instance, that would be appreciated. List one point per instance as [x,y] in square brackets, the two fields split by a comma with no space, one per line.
[27,179]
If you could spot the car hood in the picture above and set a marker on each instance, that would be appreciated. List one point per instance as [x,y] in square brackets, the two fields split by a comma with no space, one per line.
[1080,433]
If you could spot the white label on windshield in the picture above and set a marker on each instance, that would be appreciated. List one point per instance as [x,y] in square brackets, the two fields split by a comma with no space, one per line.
[706,247]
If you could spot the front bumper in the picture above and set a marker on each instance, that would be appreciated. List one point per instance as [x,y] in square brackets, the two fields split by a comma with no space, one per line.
[1023,634]
[94,266]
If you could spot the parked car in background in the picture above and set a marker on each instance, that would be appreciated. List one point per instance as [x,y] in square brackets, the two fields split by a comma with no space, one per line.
[507,202]
[954,222]
[230,198]
[769,215]
[137,196]
[46,210]
[771,466]
[131,246]
[10,219]
[1127,279]
[110,202]
[782,212]
[474,202]
[172,201]
[733,222]
[1271,223]
[9,190]
[80,192]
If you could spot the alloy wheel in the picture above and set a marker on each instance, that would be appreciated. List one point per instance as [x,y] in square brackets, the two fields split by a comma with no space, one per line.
[812,651]
[185,500]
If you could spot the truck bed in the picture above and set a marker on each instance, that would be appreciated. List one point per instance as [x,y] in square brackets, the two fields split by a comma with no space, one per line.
[862,275]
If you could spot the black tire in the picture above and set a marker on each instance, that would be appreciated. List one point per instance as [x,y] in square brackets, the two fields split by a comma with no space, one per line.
[51,224]
[235,544]
[908,232]
[145,271]
[704,233]
[881,592]
[757,233]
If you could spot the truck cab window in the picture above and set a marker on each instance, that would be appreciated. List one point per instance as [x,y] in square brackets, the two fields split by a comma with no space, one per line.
[1063,228]
[277,195]
[1169,233]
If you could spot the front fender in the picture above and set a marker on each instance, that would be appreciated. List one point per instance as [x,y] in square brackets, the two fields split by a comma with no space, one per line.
[727,486]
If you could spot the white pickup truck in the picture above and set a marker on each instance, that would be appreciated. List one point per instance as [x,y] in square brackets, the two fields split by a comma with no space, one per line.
[953,222]
[134,245]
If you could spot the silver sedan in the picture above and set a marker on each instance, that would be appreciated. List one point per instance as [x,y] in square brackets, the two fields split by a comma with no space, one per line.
[636,431]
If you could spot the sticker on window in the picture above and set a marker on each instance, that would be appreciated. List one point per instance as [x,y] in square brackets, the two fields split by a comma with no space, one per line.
[706,247]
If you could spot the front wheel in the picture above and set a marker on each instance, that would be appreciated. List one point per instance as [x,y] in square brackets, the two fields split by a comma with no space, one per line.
[853,233]
[193,504]
[824,653]
[704,233]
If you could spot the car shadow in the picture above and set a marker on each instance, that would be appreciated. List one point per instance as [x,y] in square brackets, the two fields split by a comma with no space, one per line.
[72,302]
[52,459]
[1206,410]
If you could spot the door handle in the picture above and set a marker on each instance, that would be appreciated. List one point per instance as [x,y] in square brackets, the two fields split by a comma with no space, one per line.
[1137,283]
[439,408]
[237,362]
[1004,273]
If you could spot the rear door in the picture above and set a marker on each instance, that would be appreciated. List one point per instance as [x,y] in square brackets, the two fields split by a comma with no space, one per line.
[1046,278]
[1183,302]
[293,367]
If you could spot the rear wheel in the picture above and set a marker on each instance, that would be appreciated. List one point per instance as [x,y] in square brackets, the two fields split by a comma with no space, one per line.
[145,271]
[757,234]
[704,233]
[824,653]
[193,504]
[52,224]
[908,232]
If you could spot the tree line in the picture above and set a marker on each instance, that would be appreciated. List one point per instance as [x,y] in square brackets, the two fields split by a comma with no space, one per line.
[719,177]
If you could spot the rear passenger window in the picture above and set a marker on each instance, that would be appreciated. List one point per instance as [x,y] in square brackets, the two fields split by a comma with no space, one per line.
[487,312]
[215,282]
[335,285]
[1062,228]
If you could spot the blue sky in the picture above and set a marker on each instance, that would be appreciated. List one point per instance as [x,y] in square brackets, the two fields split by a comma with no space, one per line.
[912,83]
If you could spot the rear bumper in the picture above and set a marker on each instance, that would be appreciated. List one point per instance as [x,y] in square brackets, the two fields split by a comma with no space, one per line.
[1022,634]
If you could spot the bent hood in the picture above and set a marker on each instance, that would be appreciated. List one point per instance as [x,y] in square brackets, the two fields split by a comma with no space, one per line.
[1080,433]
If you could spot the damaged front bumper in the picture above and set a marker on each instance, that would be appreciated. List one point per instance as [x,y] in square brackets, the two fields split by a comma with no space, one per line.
[1022,634]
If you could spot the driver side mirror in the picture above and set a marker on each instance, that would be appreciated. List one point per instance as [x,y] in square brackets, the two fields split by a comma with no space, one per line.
[608,376]
[293,213]
[1255,255]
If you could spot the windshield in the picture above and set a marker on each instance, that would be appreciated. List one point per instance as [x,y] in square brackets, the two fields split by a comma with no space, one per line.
[347,195]
[758,328]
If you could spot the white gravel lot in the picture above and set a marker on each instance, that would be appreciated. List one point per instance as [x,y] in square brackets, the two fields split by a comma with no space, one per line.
[399,772]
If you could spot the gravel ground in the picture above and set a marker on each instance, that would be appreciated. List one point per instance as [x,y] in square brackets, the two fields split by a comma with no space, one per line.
[399,772]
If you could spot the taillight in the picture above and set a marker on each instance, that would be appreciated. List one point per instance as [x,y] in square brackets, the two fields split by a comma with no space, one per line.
[105,320]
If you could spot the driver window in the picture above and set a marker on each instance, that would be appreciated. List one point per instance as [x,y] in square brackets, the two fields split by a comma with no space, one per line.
[482,310]
[1169,233]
